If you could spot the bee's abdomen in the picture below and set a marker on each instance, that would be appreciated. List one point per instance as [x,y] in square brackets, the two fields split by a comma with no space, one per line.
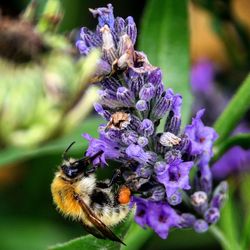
[101,198]
[107,209]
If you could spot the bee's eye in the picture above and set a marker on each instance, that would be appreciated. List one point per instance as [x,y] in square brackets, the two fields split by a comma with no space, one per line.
[70,171]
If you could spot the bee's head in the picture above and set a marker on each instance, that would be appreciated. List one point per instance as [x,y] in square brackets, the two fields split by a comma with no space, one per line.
[72,168]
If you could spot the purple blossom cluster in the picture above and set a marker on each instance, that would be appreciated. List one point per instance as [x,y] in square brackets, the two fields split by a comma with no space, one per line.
[155,163]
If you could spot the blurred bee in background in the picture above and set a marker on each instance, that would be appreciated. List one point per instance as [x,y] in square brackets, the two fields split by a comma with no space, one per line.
[77,193]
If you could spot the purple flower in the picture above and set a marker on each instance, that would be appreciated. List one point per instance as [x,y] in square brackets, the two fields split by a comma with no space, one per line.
[161,217]
[109,148]
[116,38]
[175,176]
[201,138]
[235,160]
[104,15]
[157,159]
[141,211]
[137,153]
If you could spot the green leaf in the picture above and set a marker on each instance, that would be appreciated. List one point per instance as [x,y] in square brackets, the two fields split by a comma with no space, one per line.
[11,155]
[242,140]
[234,112]
[136,237]
[18,233]
[245,239]
[90,242]
[244,190]
[164,37]
[219,235]
[228,224]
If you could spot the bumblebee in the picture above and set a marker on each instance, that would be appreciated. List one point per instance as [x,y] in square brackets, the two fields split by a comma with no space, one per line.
[77,193]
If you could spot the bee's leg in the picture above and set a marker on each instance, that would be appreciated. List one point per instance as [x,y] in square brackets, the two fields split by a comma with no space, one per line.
[114,179]
[90,171]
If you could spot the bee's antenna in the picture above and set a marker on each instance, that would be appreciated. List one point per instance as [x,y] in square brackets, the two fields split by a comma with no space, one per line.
[66,150]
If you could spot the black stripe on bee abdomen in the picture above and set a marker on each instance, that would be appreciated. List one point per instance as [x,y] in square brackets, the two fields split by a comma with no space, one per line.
[100,198]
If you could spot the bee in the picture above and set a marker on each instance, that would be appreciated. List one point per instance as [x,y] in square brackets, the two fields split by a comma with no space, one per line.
[77,193]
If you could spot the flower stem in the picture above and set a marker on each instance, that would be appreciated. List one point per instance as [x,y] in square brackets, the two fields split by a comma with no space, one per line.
[218,234]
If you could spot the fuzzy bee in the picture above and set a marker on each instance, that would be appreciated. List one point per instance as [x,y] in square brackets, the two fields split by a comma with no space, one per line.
[77,193]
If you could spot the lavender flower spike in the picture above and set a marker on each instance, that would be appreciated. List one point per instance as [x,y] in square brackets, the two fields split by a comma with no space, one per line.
[155,163]
[116,38]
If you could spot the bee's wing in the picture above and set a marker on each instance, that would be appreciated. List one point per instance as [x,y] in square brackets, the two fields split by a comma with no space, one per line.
[100,230]
[93,231]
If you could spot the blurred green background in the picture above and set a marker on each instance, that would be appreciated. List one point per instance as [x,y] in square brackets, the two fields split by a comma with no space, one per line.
[28,218]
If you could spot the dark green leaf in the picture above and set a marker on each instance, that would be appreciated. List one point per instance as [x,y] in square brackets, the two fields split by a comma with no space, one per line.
[164,38]
[90,242]
[10,155]
[29,233]
[234,112]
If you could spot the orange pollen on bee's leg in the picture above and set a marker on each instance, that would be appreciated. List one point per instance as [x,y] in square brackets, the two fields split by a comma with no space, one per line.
[124,195]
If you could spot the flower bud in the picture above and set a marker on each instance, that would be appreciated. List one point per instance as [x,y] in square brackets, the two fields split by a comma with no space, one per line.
[199,198]
[125,96]
[147,127]
[131,29]
[187,220]
[200,226]
[147,92]
[175,198]
[169,140]
[155,77]
[212,215]
[108,46]
[161,107]
[141,105]
[142,141]
[119,25]
[129,137]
